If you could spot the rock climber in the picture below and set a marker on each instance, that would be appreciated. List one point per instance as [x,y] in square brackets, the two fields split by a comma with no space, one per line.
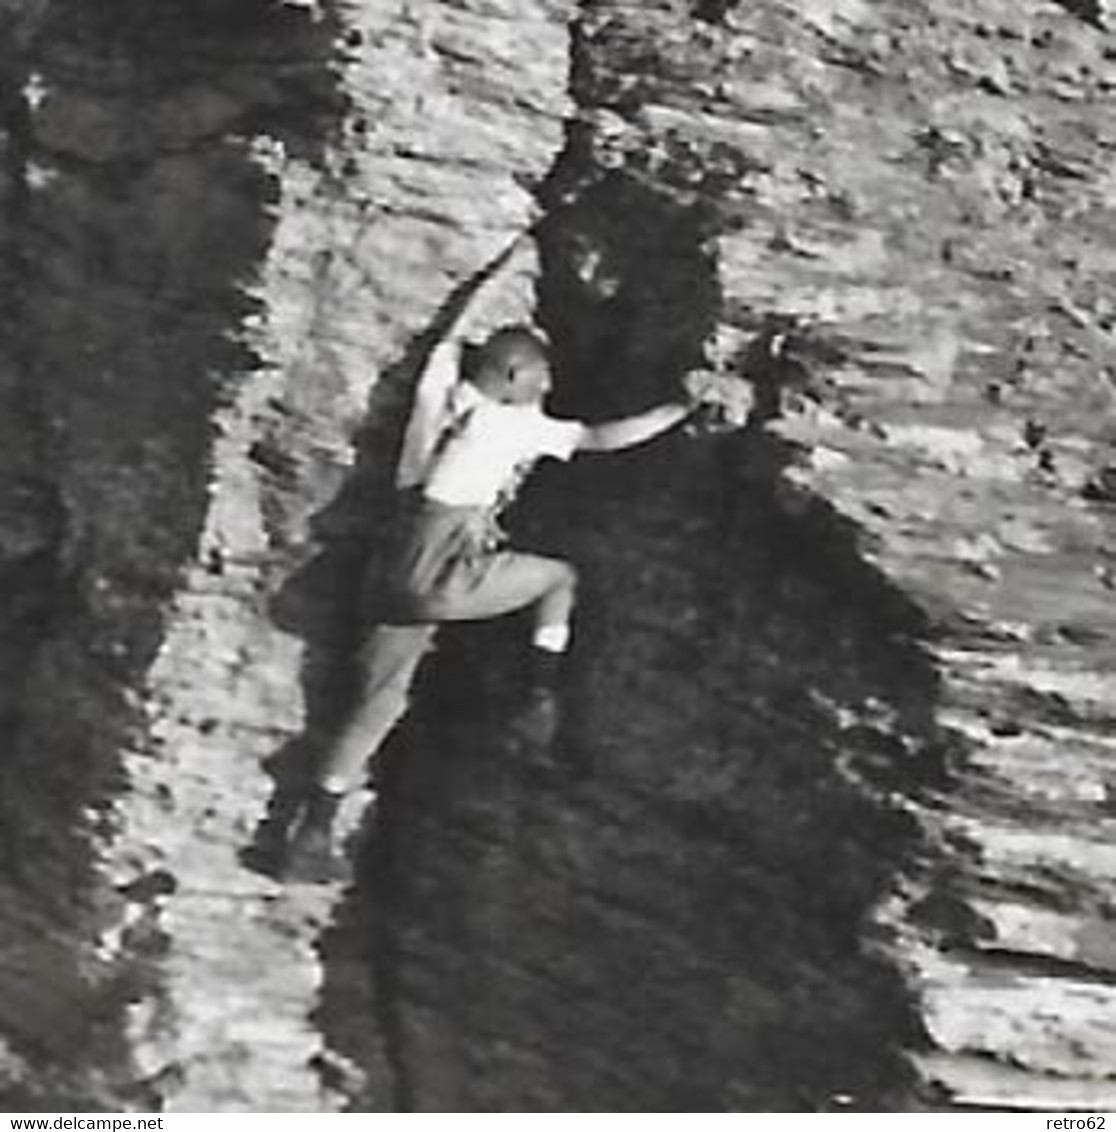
[471,440]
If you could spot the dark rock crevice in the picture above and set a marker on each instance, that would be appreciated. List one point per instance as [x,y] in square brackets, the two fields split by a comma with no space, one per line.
[668,910]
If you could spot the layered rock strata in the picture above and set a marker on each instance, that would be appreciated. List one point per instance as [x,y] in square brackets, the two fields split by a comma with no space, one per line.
[241,218]
[928,210]
[919,205]
[827,822]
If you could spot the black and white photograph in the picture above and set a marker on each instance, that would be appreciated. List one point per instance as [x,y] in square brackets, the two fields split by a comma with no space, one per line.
[557,556]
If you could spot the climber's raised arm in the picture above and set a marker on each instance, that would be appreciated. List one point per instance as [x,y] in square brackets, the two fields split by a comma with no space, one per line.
[428,411]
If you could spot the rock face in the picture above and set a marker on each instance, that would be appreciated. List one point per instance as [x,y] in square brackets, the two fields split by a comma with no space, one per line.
[939,231]
[234,219]
[827,823]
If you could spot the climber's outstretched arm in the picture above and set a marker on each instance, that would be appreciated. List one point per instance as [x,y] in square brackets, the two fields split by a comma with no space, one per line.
[611,436]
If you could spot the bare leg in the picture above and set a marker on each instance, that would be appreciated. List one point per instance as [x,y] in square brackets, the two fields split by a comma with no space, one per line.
[388,662]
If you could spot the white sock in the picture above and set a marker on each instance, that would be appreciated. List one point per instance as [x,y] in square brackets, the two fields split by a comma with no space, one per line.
[552,638]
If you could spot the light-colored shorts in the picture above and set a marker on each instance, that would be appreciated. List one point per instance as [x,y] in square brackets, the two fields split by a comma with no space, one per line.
[449,565]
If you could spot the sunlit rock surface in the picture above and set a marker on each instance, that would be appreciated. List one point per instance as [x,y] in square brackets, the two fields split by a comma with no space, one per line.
[828,823]
[937,216]
[235,219]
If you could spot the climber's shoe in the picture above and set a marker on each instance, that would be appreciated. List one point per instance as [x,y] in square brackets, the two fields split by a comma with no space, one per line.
[268,848]
[311,857]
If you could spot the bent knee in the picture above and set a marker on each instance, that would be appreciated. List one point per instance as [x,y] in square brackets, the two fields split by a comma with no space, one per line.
[565,575]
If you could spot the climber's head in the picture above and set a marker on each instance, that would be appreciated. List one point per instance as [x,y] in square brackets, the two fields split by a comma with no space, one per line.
[512,367]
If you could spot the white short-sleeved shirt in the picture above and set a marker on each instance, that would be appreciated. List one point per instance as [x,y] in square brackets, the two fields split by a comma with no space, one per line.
[466,450]
[494,446]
